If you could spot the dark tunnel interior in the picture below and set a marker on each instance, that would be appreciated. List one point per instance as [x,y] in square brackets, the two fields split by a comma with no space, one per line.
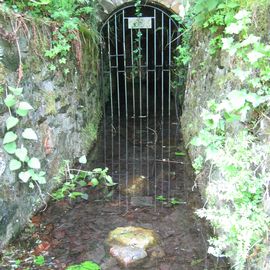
[138,71]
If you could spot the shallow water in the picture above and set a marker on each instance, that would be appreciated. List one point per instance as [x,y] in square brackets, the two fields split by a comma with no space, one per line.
[75,231]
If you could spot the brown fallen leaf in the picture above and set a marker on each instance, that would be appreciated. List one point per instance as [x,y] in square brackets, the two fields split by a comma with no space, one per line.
[44,246]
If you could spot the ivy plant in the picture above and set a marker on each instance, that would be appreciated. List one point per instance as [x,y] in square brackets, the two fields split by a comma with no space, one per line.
[78,178]
[28,167]
[238,161]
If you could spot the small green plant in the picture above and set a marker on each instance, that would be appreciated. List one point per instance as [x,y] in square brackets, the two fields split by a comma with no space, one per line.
[28,168]
[87,265]
[39,260]
[77,178]
[161,198]
[180,154]
[172,201]
[175,201]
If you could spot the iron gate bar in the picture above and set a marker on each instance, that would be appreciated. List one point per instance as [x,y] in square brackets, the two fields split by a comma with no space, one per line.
[157,74]
[155,108]
[126,104]
[147,113]
[162,101]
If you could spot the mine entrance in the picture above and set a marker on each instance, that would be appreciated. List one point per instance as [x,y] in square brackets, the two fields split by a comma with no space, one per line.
[140,115]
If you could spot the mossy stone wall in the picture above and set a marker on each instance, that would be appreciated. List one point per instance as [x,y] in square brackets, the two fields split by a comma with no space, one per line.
[64,108]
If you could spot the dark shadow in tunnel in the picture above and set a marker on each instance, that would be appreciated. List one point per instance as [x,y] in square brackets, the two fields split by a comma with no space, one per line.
[139,86]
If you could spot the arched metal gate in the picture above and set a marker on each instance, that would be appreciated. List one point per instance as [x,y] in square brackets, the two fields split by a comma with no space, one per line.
[137,55]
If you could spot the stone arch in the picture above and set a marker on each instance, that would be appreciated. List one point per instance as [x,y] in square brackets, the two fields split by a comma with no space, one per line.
[109,6]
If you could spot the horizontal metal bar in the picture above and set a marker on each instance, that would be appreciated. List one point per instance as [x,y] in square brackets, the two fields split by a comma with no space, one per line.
[126,18]
[117,55]
[150,70]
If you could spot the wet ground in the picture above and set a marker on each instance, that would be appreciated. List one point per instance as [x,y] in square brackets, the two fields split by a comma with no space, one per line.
[71,232]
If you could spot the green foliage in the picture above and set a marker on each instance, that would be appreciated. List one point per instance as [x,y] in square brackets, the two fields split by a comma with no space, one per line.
[87,265]
[137,48]
[68,15]
[39,260]
[161,198]
[28,168]
[171,201]
[175,201]
[76,178]
[238,177]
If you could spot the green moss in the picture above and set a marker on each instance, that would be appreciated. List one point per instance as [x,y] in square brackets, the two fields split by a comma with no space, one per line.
[3,74]
[50,98]
[89,134]
[90,131]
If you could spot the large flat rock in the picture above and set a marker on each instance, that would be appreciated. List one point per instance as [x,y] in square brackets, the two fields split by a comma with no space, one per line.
[133,236]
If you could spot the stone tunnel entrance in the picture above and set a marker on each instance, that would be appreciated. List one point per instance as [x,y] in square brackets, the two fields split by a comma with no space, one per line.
[140,116]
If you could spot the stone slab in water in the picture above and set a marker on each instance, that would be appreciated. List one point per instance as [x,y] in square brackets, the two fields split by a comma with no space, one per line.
[136,186]
[141,201]
[133,236]
[128,256]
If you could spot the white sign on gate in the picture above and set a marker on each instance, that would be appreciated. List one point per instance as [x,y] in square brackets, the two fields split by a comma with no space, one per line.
[139,22]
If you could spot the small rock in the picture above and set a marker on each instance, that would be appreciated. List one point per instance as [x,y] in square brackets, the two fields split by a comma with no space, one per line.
[109,264]
[128,256]
[133,236]
[141,201]
[2,162]
[164,267]
[136,186]
[156,252]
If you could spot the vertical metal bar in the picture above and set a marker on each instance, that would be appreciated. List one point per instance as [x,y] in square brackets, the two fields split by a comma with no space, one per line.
[116,62]
[125,61]
[103,102]
[132,75]
[118,101]
[155,106]
[133,108]
[169,108]
[147,114]
[126,103]
[111,98]
[140,98]
[162,103]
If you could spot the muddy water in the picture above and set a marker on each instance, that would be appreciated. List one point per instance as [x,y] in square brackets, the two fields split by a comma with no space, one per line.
[74,231]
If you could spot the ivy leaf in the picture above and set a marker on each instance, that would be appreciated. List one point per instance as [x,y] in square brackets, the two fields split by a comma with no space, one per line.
[234,28]
[82,183]
[84,196]
[23,108]
[34,163]
[109,180]
[31,185]
[41,179]
[21,112]
[25,176]
[29,134]
[11,122]
[10,147]
[10,137]
[227,43]
[10,100]
[94,182]
[21,154]
[16,91]
[83,159]
[254,56]
[251,39]
[237,99]
[14,165]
